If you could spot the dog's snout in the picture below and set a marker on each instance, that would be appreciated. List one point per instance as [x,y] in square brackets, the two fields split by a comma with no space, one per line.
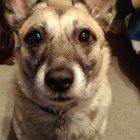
[59,80]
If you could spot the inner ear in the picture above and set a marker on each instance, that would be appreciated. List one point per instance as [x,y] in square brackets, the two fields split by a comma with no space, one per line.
[21,8]
[18,10]
[103,11]
[102,8]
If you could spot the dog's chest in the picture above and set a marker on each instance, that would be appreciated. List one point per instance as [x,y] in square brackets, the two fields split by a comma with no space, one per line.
[64,128]
[75,129]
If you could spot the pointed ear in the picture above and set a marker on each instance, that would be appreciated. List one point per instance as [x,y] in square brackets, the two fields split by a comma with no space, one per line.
[103,11]
[16,11]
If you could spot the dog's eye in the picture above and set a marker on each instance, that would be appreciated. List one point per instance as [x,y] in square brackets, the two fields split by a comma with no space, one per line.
[85,36]
[34,38]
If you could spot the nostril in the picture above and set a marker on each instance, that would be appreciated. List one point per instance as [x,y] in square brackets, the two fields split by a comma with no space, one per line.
[66,81]
[59,79]
[51,82]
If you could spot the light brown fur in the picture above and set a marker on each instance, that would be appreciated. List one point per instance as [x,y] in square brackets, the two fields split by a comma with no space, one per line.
[90,96]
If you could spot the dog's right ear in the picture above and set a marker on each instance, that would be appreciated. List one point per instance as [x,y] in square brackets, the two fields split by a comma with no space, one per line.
[103,11]
[16,11]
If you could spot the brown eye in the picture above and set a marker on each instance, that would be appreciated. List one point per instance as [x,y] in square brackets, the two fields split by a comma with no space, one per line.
[85,36]
[34,38]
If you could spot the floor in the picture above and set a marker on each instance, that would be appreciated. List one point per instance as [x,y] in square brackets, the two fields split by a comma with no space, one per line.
[124,77]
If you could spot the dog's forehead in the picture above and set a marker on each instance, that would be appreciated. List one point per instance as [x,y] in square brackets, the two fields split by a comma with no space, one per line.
[56,19]
[52,17]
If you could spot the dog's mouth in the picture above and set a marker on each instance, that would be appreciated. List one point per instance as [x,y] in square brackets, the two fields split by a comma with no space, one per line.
[62,99]
[56,109]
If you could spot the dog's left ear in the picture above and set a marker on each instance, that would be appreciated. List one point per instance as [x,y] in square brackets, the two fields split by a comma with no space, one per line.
[103,11]
[16,11]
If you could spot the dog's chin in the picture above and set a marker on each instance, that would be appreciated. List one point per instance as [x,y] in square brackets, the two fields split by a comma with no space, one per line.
[61,103]
[56,101]
[61,99]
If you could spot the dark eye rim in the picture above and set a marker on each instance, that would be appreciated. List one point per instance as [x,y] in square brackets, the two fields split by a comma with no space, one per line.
[92,39]
[29,40]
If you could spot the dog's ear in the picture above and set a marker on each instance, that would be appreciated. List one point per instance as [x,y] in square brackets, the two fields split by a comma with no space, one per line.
[103,11]
[16,11]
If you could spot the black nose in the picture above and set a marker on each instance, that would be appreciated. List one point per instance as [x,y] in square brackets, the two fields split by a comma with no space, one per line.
[59,80]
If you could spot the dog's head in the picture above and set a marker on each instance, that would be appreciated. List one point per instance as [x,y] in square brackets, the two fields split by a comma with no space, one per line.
[62,55]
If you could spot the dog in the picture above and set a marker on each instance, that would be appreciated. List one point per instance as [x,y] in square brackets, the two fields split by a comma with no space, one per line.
[62,90]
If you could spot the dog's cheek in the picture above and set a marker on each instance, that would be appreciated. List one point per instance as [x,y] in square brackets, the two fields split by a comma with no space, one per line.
[39,79]
[23,59]
[79,83]
[83,87]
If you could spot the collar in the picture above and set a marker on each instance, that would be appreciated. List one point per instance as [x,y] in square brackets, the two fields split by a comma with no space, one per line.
[60,121]
[49,110]
[59,112]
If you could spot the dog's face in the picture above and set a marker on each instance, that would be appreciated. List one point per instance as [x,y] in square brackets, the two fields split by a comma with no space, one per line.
[61,54]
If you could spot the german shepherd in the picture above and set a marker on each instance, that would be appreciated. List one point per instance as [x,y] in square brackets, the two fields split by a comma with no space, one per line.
[62,87]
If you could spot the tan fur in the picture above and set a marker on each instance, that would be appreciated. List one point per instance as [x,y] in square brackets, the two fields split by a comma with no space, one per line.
[86,115]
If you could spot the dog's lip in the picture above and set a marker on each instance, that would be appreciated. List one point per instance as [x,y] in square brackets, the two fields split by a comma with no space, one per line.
[60,110]
[61,99]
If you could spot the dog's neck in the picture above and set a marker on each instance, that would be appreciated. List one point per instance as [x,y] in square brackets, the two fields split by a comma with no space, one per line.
[60,121]
[51,111]
[60,3]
